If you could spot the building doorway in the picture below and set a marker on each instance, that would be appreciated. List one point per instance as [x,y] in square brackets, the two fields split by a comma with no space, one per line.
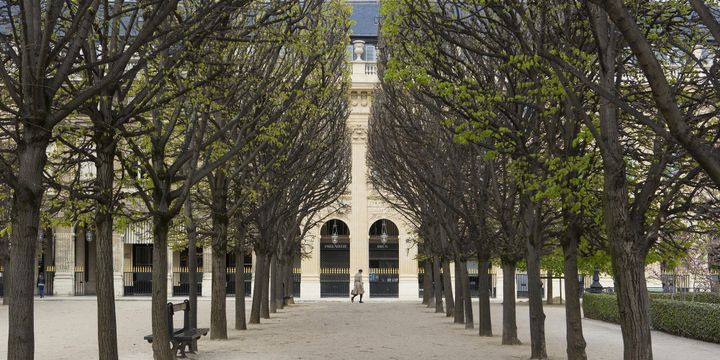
[384,259]
[85,261]
[335,259]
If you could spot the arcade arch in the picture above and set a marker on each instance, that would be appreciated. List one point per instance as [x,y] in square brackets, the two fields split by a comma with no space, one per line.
[335,259]
[383,259]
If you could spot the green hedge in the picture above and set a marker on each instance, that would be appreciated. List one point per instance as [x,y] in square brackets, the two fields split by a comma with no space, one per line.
[601,307]
[683,318]
[701,297]
[689,319]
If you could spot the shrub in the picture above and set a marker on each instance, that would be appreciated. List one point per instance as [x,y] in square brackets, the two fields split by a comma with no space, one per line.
[689,319]
[601,307]
[701,297]
[697,320]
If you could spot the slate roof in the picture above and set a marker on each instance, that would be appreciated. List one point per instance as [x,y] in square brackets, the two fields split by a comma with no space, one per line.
[366,16]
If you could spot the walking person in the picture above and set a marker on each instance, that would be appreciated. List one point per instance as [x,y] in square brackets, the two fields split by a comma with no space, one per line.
[358,288]
[41,285]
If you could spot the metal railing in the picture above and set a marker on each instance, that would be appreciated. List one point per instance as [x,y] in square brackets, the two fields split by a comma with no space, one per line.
[230,280]
[49,280]
[675,282]
[475,283]
[383,282]
[296,282]
[334,282]
[137,281]
[521,286]
[79,281]
[181,281]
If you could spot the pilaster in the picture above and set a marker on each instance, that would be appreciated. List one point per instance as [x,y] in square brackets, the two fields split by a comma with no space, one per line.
[499,285]
[118,263]
[64,281]
[170,271]
[310,268]
[207,271]
[408,287]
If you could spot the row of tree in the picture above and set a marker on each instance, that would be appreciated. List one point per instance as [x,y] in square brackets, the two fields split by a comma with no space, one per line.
[570,130]
[219,120]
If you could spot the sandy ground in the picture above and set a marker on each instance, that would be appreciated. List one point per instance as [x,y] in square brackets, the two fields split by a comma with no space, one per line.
[66,329]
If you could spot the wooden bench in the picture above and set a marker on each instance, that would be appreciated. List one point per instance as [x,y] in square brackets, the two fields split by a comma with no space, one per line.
[182,337]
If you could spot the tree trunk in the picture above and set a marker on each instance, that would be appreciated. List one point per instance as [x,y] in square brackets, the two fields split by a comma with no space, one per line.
[161,337]
[220,222]
[538,348]
[509,336]
[437,286]
[467,298]
[627,249]
[634,305]
[549,297]
[533,240]
[240,321]
[257,288]
[27,199]
[104,285]
[265,290]
[428,284]
[218,311]
[285,275]
[573,317]
[447,289]
[191,230]
[459,314]
[485,322]
[289,288]
[274,284]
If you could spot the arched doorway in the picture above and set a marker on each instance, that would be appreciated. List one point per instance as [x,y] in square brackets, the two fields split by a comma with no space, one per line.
[384,262]
[85,261]
[334,259]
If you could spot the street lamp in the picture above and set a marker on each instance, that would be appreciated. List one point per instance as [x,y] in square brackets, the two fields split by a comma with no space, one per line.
[334,236]
[596,287]
[383,233]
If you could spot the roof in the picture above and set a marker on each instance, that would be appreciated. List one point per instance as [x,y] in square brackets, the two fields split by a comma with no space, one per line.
[366,15]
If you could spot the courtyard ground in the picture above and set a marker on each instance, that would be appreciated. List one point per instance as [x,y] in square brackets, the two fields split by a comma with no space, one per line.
[66,329]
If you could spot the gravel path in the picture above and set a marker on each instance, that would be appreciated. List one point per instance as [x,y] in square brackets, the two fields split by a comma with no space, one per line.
[65,329]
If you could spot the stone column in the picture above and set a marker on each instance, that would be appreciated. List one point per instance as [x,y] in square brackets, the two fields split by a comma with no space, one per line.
[64,283]
[359,228]
[408,288]
[171,255]
[452,279]
[118,263]
[207,272]
[253,271]
[499,283]
[310,269]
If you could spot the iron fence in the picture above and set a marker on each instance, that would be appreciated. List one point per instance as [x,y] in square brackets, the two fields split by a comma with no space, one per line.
[475,283]
[296,282]
[181,281]
[230,281]
[334,282]
[49,280]
[137,281]
[675,282]
[383,282]
[79,281]
[521,283]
